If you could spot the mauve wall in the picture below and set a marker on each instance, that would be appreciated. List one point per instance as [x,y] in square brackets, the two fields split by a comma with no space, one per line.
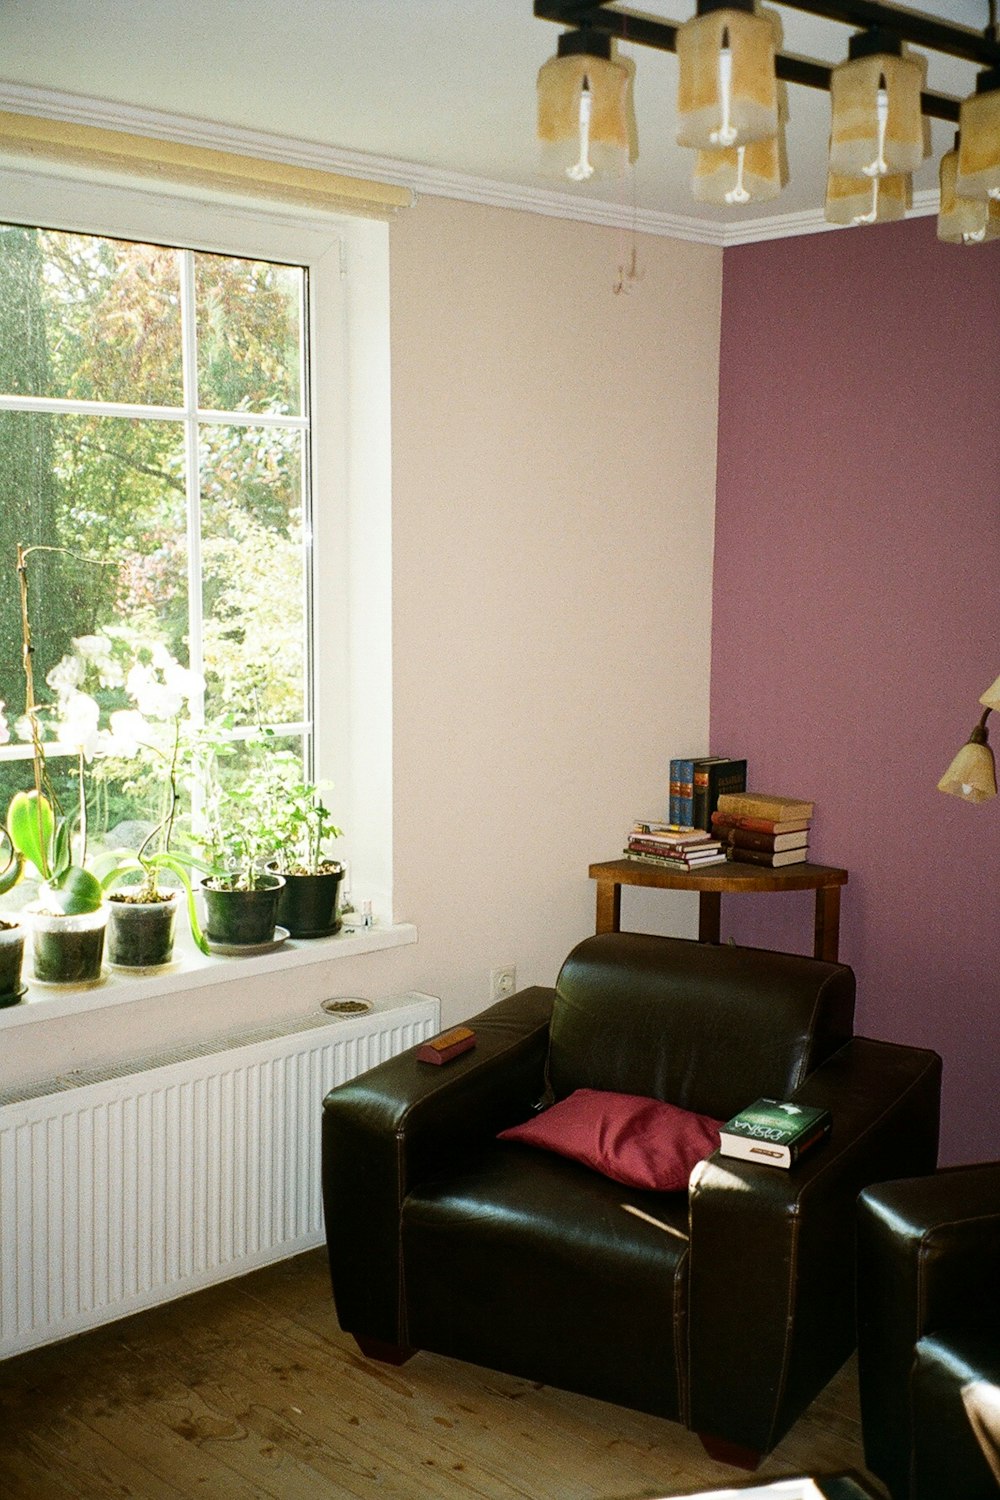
[856,615]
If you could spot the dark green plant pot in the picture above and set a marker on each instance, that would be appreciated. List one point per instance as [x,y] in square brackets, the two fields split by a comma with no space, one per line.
[68,950]
[11,960]
[141,933]
[241,918]
[310,904]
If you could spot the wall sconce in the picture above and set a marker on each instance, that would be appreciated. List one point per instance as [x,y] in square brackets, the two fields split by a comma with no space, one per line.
[972,774]
[583,108]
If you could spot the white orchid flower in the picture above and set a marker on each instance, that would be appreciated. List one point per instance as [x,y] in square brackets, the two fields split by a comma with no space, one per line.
[22,728]
[78,724]
[129,732]
[66,676]
[99,652]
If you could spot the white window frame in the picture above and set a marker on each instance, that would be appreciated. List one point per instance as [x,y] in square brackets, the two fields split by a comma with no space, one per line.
[347,324]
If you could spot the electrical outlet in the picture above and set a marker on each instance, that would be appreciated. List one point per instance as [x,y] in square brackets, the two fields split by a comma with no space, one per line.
[503,982]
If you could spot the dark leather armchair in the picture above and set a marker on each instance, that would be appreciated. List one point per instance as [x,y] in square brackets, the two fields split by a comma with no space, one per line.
[727,1307]
[929,1333]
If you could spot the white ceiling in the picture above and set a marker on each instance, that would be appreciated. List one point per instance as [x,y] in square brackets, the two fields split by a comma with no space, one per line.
[442,86]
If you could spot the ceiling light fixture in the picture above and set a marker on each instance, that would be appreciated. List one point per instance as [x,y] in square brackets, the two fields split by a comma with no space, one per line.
[727,105]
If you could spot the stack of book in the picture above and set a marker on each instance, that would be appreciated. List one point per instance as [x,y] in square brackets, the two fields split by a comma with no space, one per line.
[756,828]
[673,846]
[696,784]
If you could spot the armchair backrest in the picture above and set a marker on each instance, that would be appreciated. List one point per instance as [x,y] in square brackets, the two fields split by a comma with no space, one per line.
[710,1028]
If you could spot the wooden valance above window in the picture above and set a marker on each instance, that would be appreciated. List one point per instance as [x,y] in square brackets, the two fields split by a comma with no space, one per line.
[33,137]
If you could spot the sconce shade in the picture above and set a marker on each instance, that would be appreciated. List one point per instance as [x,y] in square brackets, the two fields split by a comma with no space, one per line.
[740,174]
[972,774]
[991,697]
[964,221]
[866,200]
[876,125]
[583,110]
[727,93]
[979,149]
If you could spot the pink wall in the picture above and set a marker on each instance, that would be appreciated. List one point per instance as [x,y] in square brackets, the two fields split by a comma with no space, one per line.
[857,615]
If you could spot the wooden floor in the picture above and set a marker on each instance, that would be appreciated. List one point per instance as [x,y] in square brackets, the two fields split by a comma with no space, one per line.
[250,1390]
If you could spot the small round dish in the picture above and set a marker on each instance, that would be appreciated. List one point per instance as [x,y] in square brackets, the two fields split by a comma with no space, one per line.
[346,1005]
[247,950]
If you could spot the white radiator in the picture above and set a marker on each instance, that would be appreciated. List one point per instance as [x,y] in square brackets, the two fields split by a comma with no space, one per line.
[123,1192]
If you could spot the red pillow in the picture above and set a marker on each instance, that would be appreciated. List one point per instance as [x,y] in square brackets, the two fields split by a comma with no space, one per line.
[640,1142]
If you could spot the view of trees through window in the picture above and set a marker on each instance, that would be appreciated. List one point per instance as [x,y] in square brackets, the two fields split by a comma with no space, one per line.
[154,451]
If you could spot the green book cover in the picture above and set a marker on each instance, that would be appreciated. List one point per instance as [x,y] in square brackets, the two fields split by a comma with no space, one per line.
[780,1123]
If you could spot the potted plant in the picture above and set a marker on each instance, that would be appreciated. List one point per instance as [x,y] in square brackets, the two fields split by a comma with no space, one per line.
[309,905]
[69,918]
[11,931]
[242,831]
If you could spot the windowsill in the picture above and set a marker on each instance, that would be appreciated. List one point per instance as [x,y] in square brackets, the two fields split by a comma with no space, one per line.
[192,970]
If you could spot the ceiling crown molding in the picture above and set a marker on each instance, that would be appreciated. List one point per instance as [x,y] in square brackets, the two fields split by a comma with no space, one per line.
[84,110]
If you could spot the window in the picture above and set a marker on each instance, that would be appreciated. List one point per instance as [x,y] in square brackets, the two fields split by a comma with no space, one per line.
[154,430]
[155,413]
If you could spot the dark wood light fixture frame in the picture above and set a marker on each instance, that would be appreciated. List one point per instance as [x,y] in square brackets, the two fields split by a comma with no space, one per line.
[928,32]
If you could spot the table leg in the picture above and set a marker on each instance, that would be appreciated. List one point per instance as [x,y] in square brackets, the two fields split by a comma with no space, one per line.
[609,906]
[709,916]
[827,939]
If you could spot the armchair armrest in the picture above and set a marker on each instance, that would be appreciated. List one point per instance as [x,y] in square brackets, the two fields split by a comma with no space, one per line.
[788,1239]
[929,1248]
[403,1121]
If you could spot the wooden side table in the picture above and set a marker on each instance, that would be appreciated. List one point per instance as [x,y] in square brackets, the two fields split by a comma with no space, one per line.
[715,882]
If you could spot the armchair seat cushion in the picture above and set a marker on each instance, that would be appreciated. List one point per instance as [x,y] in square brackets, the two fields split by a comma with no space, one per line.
[523,1240]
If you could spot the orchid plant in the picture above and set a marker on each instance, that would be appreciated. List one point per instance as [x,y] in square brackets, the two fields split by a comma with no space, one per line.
[113,663]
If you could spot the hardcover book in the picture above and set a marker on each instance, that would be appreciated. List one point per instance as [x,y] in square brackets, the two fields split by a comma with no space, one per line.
[724,777]
[769,858]
[775,1132]
[735,837]
[699,784]
[681,806]
[764,805]
[760,825]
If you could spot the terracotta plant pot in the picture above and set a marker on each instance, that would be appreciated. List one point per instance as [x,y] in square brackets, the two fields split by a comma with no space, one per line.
[310,904]
[11,960]
[67,950]
[140,933]
[241,918]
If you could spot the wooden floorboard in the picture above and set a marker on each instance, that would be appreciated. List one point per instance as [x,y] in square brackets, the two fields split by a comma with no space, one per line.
[249,1391]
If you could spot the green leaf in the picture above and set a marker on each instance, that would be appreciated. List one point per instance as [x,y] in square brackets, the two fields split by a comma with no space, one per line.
[14,868]
[76,891]
[31,824]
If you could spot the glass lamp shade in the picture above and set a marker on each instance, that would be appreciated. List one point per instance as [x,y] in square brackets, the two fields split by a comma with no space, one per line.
[583,116]
[872,136]
[964,221]
[979,149]
[866,200]
[991,697]
[727,93]
[972,774]
[740,174]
